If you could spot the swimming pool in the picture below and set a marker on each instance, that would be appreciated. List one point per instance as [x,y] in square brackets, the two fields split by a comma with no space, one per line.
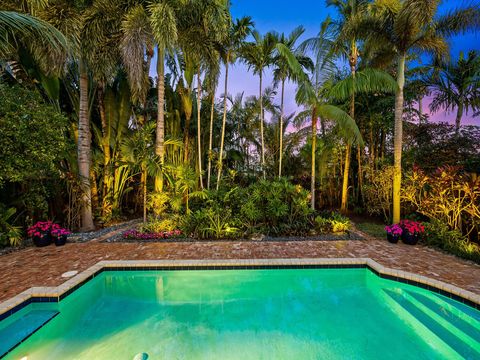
[250,314]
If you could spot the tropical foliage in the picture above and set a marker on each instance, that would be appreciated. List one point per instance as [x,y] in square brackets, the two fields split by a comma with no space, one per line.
[115,112]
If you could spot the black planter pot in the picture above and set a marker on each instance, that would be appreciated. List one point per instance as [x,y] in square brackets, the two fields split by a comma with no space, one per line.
[60,240]
[393,238]
[410,239]
[42,241]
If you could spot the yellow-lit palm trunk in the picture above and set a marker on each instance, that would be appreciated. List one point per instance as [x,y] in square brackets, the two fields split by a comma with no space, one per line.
[84,152]
[143,180]
[224,122]
[199,130]
[210,140]
[314,152]
[107,174]
[398,139]
[281,131]
[160,131]
[348,153]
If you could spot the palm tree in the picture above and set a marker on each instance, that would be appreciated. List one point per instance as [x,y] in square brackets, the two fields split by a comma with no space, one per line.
[313,97]
[146,26]
[238,31]
[211,80]
[456,84]
[258,55]
[283,71]
[72,20]
[15,26]
[345,44]
[396,28]
[203,28]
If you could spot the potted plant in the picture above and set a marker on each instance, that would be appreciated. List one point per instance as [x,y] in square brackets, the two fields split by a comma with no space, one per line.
[393,233]
[412,231]
[59,235]
[41,233]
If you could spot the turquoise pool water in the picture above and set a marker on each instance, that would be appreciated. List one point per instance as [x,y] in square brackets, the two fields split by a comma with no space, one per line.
[251,314]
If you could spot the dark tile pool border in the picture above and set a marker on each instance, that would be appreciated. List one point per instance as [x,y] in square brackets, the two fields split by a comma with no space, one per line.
[56,294]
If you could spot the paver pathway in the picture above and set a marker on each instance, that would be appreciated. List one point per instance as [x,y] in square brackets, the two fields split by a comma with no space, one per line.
[23,269]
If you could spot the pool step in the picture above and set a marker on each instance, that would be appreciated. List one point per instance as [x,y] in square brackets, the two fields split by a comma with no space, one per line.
[456,334]
[15,331]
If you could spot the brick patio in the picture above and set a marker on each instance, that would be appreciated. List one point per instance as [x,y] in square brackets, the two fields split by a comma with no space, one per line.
[43,266]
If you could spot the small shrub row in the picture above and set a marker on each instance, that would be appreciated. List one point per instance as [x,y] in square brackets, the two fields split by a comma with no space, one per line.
[272,208]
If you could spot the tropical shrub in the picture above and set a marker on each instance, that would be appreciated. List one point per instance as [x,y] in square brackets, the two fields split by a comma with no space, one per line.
[438,234]
[448,195]
[332,223]
[10,235]
[276,207]
[210,223]
[378,191]
[167,222]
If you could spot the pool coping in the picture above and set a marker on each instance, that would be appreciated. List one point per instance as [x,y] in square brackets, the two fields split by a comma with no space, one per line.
[56,294]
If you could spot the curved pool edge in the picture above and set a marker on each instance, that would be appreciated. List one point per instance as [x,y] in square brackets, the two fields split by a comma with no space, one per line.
[56,294]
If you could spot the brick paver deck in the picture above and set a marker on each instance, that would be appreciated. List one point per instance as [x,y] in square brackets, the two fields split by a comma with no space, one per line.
[43,266]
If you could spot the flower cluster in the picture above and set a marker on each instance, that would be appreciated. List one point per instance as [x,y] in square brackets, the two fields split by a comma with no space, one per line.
[412,227]
[395,229]
[42,228]
[58,232]
[137,235]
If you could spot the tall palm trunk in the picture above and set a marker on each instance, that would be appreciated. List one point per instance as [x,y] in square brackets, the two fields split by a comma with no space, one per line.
[143,180]
[458,118]
[199,130]
[281,130]
[348,152]
[84,152]
[210,140]
[107,176]
[224,123]
[398,138]
[160,131]
[314,152]
[261,125]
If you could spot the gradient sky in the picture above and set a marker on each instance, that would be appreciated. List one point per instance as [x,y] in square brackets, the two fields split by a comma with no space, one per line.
[285,15]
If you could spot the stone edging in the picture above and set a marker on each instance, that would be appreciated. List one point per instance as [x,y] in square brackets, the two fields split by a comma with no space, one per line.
[55,294]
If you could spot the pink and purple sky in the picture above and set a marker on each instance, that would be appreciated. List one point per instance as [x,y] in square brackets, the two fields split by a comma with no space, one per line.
[285,15]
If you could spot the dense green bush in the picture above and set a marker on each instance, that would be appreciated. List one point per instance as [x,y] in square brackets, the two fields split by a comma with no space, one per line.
[267,207]
[33,145]
[438,234]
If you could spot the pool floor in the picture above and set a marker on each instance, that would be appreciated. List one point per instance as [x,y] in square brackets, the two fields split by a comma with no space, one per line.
[251,314]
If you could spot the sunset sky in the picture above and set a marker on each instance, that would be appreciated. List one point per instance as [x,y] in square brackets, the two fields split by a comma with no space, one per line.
[284,16]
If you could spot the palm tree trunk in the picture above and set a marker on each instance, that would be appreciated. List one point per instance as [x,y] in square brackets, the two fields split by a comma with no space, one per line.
[261,125]
[224,123]
[348,152]
[210,140]
[199,130]
[144,193]
[458,119]
[107,177]
[314,151]
[281,131]
[398,138]
[160,131]
[84,152]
